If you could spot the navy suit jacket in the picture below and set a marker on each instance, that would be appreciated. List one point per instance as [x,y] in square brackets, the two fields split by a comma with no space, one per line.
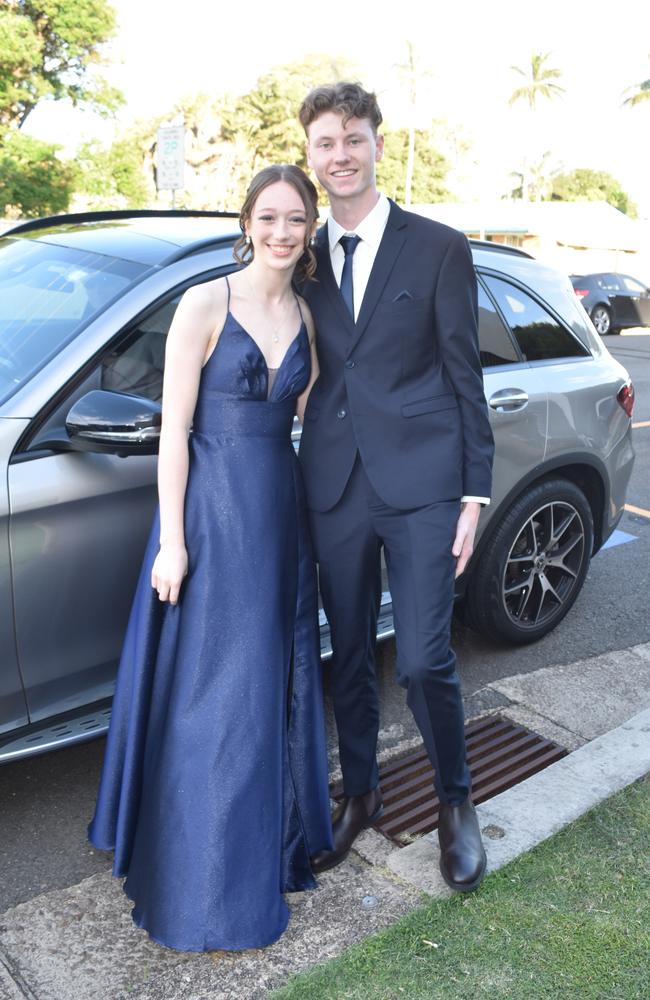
[403,385]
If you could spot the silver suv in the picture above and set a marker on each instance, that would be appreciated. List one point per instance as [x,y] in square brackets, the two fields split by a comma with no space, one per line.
[85,306]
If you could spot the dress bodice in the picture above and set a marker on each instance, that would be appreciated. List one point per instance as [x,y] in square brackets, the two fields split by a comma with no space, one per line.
[234,397]
[237,367]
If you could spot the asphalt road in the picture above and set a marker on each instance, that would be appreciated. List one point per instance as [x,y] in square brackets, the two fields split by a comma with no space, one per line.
[47,801]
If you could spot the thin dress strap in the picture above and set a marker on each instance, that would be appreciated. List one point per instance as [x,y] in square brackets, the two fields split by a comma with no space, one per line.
[298,304]
[228,287]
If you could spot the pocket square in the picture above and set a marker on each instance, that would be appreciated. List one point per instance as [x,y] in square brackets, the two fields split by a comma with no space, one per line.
[403,296]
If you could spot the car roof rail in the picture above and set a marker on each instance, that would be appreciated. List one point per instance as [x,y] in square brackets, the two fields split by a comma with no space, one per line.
[198,246]
[123,213]
[500,248]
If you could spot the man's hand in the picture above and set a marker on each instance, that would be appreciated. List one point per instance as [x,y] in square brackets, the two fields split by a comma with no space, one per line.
[465,530]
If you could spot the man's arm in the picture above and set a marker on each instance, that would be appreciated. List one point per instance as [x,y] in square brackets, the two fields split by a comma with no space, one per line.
[456,312]
[457,331]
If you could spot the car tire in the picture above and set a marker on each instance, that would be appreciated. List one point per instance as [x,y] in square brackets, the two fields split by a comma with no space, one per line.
[534,564]
[602,320]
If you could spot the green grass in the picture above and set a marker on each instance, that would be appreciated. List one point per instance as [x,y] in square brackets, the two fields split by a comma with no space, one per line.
[568,921]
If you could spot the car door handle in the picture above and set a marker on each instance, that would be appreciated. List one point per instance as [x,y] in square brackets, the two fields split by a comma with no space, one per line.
[507,400]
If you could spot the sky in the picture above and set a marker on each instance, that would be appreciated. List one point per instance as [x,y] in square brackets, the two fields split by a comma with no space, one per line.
[164,51]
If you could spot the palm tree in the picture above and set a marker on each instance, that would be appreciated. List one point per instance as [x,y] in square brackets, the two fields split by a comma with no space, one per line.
[541,174]
[638,93]
[540,83]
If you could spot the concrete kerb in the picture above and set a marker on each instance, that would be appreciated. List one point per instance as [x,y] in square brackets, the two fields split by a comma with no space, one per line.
[80,941]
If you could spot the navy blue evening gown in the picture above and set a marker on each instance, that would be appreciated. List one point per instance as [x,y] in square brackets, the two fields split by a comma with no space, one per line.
[214,789]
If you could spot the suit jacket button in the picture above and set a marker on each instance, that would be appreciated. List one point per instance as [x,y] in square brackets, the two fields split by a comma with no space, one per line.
[349,363]
[342,414]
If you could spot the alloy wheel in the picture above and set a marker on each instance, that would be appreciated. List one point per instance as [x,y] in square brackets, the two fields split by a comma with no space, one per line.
[601,319]
[543,565]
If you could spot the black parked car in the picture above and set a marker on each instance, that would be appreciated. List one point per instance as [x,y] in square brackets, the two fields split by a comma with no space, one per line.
[613,301]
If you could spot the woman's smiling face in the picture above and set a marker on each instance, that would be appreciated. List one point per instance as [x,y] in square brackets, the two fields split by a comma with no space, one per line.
[278,225]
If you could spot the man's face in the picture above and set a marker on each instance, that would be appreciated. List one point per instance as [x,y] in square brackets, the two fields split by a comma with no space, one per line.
[343,157]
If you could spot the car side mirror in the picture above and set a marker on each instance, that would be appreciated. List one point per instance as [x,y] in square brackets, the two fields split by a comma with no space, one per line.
[114,423]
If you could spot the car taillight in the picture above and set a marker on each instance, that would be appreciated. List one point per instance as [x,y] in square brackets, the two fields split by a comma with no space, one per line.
[581,292]
[625,398]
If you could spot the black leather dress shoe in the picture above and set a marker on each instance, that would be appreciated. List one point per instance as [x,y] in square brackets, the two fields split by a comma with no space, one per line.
[351,816]
[462,855]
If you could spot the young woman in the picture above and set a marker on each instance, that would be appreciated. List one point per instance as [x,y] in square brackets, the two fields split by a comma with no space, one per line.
[214,789]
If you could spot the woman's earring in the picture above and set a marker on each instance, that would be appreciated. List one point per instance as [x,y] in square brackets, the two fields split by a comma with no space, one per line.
[247,241]
[312,241]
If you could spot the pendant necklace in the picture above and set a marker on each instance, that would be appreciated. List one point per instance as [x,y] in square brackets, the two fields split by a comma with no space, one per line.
[274,330]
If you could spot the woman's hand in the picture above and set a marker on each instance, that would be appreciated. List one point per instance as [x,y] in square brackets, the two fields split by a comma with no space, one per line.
[168,572]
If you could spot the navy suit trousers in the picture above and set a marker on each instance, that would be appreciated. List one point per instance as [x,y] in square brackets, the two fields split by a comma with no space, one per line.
[417,545]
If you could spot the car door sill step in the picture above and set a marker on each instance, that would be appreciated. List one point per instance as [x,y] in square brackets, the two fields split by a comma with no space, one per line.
[385,627]
[53,734]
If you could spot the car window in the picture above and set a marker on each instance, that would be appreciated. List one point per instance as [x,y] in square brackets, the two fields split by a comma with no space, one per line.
[48,293]
[495,343]
[135,365]
[632,285]
[611,283]
[539,335]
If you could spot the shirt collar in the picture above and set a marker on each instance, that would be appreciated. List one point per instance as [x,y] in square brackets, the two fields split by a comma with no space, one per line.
[370,229]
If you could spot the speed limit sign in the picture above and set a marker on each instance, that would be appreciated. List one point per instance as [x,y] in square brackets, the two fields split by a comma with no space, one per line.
[170,158]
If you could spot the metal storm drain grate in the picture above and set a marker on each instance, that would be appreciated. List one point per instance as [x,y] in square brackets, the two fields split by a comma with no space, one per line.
[500,754]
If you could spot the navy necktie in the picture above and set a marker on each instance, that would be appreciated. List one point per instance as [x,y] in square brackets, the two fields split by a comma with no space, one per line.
[349,244]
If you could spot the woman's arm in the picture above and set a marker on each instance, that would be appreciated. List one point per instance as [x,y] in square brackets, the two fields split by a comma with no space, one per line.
[191,336]
[301,402]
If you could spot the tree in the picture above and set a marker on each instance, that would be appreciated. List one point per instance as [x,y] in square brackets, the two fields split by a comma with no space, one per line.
[217,171]
[540,179]
[639,93]
[592,185]
[33,181]
[430,167]
[47,50]
[113,176]
[267,117]
[539,84]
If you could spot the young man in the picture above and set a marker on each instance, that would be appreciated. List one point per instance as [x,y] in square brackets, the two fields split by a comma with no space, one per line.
[397,452]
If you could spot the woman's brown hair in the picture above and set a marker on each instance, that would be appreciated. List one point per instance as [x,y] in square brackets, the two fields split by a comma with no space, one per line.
[290,174]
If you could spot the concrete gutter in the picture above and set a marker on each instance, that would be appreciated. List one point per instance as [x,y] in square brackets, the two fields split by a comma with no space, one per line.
[80,941]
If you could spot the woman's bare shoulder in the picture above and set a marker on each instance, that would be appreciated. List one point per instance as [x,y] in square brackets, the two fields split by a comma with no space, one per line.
[206,297]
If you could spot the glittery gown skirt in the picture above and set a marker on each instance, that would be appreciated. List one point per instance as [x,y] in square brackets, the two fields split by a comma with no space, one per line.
[214,788]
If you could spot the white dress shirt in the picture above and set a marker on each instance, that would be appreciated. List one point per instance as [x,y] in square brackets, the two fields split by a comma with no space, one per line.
[370,231]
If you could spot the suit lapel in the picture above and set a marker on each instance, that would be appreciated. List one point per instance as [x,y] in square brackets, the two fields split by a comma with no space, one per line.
[389,249]
[326,277]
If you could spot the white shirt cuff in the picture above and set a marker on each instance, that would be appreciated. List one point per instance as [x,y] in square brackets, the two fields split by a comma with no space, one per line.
[484,501]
